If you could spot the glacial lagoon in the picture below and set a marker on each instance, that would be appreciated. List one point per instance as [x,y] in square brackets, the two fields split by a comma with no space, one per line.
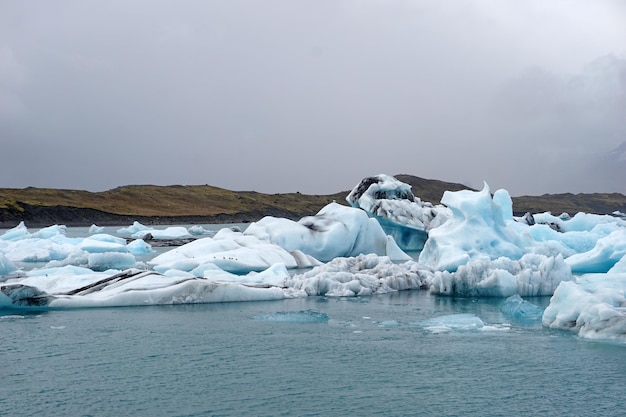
[396,354]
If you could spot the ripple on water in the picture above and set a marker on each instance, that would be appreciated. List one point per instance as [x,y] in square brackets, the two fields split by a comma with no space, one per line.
[305,316]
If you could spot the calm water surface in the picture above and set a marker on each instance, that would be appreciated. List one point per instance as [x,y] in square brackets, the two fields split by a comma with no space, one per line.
[370,358]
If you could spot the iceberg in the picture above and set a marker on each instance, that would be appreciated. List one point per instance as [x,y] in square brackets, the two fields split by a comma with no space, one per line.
[481,228]
[594,307]
[103,261]
[230,251]
[139,231]
[139,247]
[581,222]
[335,231]
[18,232]
[51,246]
[72,286]
[99,243]
[473,246]
[134,288]
[132,229]
[604,255]
[399,212]
[197,230]
[361,275]
[93,229]
[532,275]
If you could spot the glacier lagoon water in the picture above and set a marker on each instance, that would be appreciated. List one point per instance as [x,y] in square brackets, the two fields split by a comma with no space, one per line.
[362,356]
[408,353]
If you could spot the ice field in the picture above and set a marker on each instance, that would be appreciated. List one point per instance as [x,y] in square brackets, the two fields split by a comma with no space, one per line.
[469,246]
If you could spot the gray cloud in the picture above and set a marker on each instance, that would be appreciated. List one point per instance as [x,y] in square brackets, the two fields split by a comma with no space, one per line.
[312,96]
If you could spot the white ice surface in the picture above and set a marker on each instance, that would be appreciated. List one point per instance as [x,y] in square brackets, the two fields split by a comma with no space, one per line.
[532,275]
[481,250]
[230,251]
[336,231]
[51,245]
[361,275]
[132,229]
[619,267]
[138,231]
[604,255]
[70,286]
[139,247]
[62,286]
[93,229]
[594,307]
[6,266]
[481,228]
[18,232]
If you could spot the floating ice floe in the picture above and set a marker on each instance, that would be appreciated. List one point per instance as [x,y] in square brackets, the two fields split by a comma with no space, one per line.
[361,275]
[18,232]
[50,245]
[72,286]
[594,307]
[93,229]
[452,322]
[139,247]
[129,288]
[335,231]
[138,231]
[399,212]
[230,251]
[517,308]
[197,230]
[532,275]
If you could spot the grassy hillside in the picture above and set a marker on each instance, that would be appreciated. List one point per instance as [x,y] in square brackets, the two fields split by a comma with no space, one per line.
[204,203]
[429,190]
[571,203]
[175,200]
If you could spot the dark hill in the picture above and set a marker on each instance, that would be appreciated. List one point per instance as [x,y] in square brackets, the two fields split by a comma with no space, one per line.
[174,204]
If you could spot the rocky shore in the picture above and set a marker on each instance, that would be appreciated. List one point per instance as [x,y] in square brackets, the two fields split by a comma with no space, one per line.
[42,216]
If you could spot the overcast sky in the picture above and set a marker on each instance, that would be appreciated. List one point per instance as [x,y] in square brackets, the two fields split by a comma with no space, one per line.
[312,96]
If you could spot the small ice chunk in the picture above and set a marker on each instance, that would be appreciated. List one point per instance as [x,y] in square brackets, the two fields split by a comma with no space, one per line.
[139,247]
[17,233]
[198,230]
[130,230]
[93,229]
[517,308]
[453,322]
[110,260]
